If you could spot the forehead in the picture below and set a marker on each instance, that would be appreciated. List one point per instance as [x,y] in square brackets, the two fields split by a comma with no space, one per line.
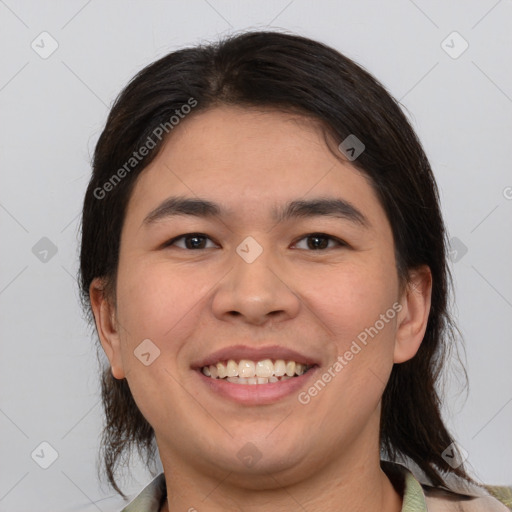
[250,160]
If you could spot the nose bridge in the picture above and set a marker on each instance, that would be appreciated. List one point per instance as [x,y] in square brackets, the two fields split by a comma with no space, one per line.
[254,268]
[256,286]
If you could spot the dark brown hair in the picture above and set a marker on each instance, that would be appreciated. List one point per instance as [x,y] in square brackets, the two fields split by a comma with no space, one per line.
[295,74]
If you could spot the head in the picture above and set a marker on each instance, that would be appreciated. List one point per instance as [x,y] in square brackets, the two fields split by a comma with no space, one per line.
[234,132]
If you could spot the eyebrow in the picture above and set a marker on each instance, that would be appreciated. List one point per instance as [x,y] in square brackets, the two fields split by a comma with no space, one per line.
[203,208]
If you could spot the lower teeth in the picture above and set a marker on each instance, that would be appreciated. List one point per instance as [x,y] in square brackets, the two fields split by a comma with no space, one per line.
[256,380]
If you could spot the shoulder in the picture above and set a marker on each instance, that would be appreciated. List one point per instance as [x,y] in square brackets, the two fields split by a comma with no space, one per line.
[458,496]
[502,493]
[484,499]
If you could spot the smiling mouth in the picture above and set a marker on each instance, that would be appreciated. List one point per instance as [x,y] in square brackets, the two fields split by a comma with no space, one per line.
[246,371]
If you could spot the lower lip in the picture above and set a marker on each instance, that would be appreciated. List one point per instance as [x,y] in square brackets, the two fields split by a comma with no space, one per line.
[258,394]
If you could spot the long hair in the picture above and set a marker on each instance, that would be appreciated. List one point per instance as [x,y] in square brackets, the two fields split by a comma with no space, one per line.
[294,74]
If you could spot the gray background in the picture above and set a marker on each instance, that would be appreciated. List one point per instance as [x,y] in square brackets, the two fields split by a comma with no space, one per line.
[53,110]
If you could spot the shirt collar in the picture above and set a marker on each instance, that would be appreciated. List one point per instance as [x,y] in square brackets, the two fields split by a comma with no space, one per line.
[150,498]
[412,491]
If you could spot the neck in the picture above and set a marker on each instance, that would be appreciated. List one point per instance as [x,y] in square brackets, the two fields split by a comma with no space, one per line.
[378,495]
[351,480]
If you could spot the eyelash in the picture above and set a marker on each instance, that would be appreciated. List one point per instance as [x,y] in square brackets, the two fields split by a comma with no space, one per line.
[340,242]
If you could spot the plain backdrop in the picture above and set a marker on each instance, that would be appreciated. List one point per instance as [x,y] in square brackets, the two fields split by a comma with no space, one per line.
[62,65]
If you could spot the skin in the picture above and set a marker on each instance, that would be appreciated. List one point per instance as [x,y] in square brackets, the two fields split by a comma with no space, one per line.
[192,302]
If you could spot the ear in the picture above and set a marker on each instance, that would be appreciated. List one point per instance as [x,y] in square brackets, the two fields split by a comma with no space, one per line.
[413,317]
[106,325]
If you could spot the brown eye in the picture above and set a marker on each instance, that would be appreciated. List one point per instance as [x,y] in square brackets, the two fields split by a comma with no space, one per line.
[192,241]
[320,241]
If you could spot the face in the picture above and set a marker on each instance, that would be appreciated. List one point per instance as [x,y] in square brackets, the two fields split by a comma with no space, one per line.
[313,283]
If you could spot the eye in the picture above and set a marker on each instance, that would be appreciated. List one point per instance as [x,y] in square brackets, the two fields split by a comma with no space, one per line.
[321,241]
[196,241]
[192,241]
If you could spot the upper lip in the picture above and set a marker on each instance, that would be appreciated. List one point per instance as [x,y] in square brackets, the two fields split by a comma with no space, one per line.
[238,352]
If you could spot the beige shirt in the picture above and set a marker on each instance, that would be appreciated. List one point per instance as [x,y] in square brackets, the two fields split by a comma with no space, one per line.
[460,497]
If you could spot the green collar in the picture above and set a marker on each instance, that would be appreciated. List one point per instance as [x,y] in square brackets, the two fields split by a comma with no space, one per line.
[405,482]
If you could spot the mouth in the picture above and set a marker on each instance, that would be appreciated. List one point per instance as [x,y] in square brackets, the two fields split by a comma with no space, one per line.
[245,371]
[255,376]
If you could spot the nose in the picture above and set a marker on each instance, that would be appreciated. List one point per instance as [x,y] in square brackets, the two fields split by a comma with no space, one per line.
[256,292]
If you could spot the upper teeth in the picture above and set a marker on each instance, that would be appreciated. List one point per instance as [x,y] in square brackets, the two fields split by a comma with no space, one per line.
[246,368]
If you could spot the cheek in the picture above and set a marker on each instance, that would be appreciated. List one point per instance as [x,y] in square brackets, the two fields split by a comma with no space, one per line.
[155,305]
[359,307]
[348,391]
[352,298]
[154,302]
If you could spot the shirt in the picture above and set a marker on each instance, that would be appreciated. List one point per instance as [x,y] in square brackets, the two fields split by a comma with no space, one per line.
[416,496]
